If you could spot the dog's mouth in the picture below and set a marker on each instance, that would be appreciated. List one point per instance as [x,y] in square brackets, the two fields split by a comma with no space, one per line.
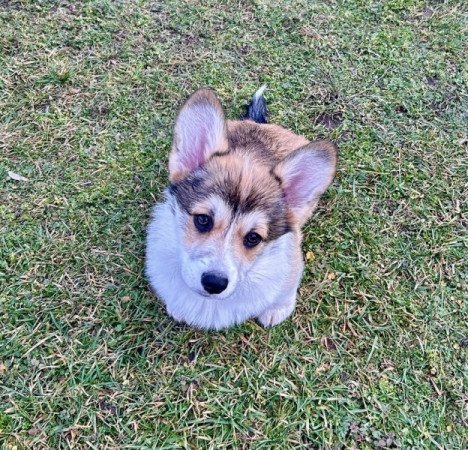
[205,294]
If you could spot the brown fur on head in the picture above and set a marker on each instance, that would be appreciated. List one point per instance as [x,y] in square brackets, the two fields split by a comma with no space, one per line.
[250,166]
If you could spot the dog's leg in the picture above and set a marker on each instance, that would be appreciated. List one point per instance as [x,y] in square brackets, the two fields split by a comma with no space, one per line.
[280,312]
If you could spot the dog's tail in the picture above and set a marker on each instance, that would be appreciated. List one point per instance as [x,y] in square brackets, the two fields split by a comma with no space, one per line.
[257,108]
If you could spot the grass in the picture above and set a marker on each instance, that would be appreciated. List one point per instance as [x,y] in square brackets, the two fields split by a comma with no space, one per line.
[375,355]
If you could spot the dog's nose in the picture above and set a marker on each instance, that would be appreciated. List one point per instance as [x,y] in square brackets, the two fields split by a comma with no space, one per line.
[213,282]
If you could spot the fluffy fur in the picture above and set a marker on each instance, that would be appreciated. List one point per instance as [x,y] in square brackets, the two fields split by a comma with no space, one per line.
[246,177]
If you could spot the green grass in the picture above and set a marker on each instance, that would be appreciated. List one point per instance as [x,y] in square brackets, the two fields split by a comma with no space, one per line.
[375,355]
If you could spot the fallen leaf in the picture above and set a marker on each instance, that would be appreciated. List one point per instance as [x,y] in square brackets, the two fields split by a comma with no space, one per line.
[323,367]
[16,177]
[310,256]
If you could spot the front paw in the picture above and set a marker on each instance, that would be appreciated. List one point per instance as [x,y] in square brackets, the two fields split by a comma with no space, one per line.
[274,316]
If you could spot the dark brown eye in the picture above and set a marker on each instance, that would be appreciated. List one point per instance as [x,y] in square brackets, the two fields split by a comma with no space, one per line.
[203,223]
[252,239]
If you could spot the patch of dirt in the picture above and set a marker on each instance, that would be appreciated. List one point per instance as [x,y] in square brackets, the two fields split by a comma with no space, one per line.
[441,106]
[432,81]
[361,434]
[108,407]
[401,109]
[344,377]
[11,47]
[192,356]
[330,121]
[392,206]
[13,5]
[328,343]
[245,49]
[427,13]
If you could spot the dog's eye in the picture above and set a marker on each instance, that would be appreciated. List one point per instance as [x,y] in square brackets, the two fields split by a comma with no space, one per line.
[203,223]
[252,239]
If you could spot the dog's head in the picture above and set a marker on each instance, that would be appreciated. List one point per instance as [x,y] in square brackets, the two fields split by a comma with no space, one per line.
[232,205]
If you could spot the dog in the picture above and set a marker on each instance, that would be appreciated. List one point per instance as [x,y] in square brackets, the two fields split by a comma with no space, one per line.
[225,245]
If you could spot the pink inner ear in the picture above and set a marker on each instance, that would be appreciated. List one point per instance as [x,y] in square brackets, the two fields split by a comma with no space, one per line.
[195,155]
[199,131]
[306,175]
[299,186]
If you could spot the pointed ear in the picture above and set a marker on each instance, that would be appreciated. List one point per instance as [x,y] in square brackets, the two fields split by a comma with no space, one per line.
[200,131]
[305,175]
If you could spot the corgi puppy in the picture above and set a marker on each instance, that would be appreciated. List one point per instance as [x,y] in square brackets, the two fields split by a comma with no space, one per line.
[225,245]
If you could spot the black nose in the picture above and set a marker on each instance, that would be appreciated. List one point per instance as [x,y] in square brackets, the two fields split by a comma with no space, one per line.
[213,282]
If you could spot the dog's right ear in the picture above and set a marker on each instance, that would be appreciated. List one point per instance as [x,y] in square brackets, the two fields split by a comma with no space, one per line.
[200,131]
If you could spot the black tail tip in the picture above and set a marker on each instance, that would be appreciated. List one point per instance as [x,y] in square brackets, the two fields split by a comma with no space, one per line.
[257,108]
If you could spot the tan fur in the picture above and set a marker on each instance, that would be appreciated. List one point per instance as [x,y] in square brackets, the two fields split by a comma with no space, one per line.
[247,170]
[279,143]
[279,140]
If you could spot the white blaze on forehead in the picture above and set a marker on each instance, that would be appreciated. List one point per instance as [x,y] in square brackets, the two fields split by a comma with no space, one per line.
[214,205]
[220,209]
[256,221]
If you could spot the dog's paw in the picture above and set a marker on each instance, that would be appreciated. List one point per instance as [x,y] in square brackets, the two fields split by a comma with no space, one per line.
[275,316]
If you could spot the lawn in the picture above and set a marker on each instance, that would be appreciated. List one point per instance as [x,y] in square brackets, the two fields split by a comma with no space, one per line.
[375,354]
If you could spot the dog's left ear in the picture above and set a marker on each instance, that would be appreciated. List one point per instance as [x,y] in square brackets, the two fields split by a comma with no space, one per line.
[200,131]
[305,175]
